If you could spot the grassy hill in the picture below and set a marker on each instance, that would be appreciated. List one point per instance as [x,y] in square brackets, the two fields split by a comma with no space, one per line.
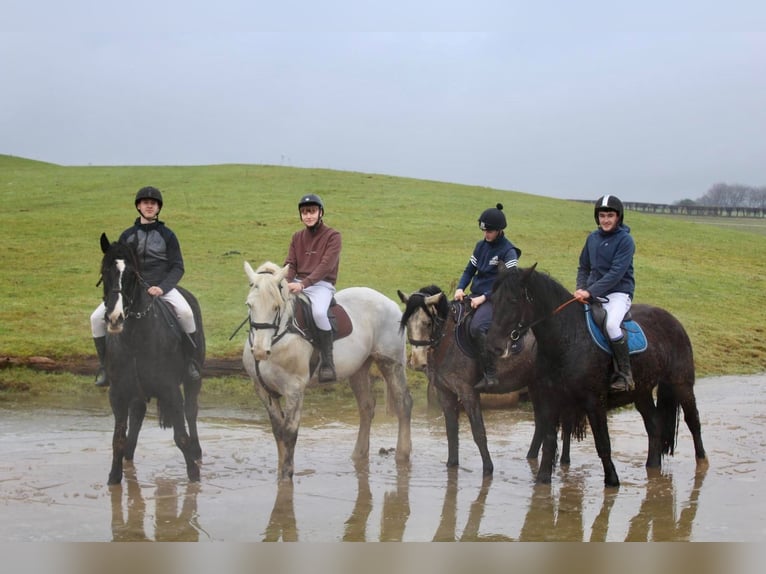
[398,233]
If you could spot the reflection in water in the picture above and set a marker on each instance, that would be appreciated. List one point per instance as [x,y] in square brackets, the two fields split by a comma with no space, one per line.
[656,520]
[356,526]
[169,523]
[447,529]
[282,520]
[393,520]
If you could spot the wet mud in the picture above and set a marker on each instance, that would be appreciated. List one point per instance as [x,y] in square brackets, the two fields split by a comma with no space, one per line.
[54,465]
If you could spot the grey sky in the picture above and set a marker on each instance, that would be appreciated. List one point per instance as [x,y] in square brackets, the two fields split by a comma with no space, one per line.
[653,101]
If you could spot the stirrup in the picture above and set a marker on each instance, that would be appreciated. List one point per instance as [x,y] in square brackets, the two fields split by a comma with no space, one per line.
[326,374]
[487,383]
[101,380]
[620,385]
[193,371]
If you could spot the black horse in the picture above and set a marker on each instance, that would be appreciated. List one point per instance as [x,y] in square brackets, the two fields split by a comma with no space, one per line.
[145,359]
[574,372]
[431,322]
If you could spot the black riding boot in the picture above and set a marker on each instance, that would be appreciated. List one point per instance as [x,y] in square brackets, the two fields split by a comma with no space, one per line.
[327,364]
[623,377]
[190,350]
[487,362]
[100,343]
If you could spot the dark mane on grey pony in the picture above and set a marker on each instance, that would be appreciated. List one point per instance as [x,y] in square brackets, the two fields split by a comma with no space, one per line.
[417,301]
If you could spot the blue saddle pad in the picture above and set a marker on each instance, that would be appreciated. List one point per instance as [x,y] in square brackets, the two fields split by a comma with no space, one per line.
[636,339]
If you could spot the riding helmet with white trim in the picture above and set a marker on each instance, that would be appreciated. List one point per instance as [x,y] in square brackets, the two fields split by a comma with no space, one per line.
[608,203]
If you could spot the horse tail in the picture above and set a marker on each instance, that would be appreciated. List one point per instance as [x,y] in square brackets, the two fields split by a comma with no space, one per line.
[163,414]
[668,408]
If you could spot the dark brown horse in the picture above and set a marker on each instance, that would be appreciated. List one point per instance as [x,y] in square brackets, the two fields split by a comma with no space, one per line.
[431,322]
[573,372]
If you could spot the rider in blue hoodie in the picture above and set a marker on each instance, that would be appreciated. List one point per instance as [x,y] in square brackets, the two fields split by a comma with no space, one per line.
[605,273]
[492,252]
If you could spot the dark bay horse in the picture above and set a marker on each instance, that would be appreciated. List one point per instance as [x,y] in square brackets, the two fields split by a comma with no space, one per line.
[430,321]
[145,360]
[574,372]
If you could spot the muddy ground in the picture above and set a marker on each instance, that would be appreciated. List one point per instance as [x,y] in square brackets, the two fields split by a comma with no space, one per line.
[54,464]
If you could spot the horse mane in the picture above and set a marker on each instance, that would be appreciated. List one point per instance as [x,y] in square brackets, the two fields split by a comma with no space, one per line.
[273,287]
[417,301]
[547,289]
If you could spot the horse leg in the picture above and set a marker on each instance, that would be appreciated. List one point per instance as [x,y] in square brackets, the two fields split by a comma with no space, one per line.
[537,437]
[650,414]
[120,411]
[451,410]
[692,418]
[470,399]
[365,400]
[400,399]
[191,410]
[290,426]
[684,392]
[170,404]
[137,411]
[548,422]
[277,418]
[597,418]
[566,442]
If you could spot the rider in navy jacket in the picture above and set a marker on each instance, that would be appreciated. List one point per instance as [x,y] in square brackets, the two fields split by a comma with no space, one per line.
[605,273]
[489,254]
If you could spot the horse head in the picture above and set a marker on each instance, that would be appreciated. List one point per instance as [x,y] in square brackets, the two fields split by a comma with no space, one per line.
[424,315]
[119,279]
[513,306]
[267,304]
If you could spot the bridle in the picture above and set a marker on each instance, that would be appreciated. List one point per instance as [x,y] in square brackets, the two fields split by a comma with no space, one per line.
[118,289]
[437,326]
[521,329]
[274,325]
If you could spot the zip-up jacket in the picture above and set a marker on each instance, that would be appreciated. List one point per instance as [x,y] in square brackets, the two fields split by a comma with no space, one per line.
[314,255]
[159,253]
[606,263]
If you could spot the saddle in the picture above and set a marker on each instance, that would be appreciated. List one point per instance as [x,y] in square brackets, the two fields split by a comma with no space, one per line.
[595,317]
[461,313]
[303,320]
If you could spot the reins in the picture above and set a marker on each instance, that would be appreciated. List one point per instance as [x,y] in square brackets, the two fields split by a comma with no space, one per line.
[517,333]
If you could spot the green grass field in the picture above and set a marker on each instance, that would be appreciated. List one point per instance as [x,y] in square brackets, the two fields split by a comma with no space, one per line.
[398,234]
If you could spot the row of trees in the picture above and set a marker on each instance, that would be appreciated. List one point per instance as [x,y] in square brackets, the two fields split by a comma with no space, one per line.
[726,195]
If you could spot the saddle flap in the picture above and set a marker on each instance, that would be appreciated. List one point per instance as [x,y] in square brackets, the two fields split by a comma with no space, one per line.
[595,317]
[305,325]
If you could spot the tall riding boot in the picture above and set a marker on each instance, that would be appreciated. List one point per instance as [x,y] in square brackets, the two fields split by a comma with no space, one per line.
[327,364]
[623,376]
[487,362]
[190,350]
[100,343]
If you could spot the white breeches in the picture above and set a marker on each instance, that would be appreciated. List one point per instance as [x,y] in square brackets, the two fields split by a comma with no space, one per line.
[616,306]
[320,294]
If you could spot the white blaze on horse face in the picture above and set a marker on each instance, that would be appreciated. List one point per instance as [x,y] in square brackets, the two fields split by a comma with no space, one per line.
[117,314]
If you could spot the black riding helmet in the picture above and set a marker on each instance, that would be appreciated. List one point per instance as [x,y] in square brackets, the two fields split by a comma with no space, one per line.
[608,203]
[312,199]
[492,219]
[149,192]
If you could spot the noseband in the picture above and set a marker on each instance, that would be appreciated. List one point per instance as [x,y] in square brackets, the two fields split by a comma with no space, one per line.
[437,326]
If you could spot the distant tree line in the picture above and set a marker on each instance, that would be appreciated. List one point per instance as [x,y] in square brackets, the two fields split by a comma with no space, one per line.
[732,196]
